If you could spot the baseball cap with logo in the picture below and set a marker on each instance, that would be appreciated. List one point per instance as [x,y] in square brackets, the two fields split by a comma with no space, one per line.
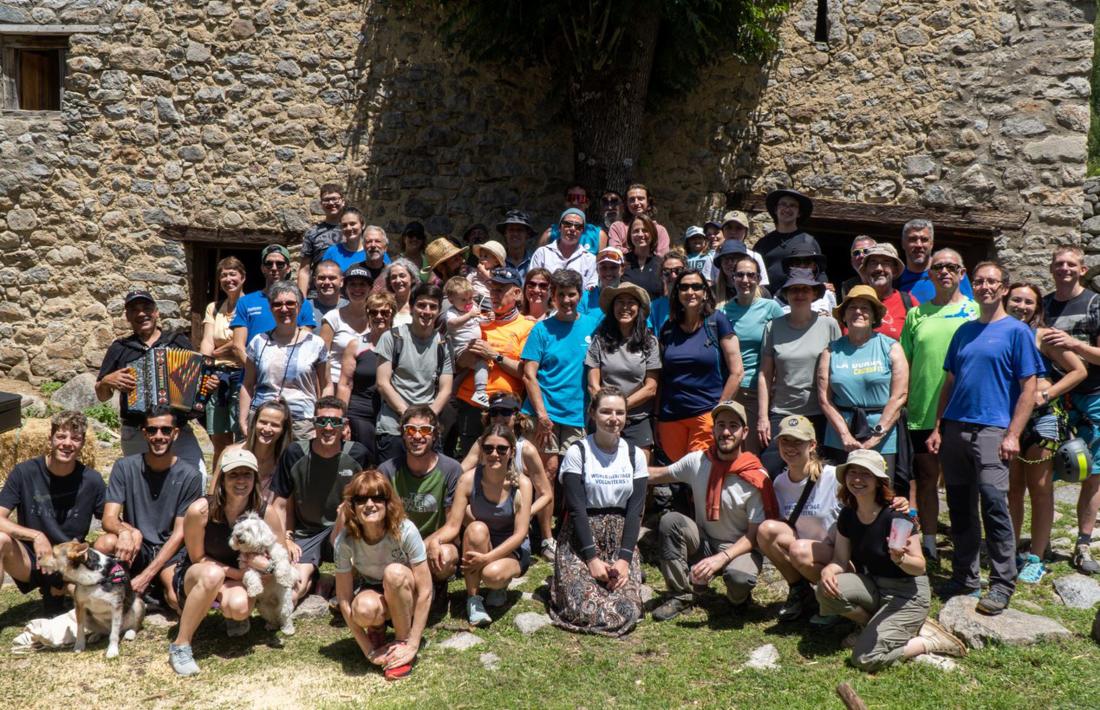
[730,405]
[238,458]
[506,275]
[797,427]
[611,254]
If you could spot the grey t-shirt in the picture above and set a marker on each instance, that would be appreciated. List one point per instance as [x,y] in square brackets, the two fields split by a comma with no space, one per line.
[795,352]
[152,500]
[414,376]
[624,369]
[370,561]
[742,504]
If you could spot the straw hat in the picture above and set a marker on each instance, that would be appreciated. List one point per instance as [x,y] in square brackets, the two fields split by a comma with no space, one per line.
[441,249]
[865,292]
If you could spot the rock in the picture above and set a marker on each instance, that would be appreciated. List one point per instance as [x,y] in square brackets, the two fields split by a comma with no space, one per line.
[1012,627]
[32,406]
[461,641]
[1056,149]
[1025,604]
[765,658]
[942,662]
[646,592]
[1068,493]
[529,622]
[159,621]
[517,582]
[22,220]
[312,607]
[490,661]
[78,393]
[1078,591]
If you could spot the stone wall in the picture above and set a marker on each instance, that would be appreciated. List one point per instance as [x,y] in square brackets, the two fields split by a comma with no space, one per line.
[229,114]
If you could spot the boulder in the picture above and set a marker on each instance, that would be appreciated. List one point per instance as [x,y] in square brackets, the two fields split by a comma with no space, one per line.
[529,622]
[1012,627]
[489,661]
[765,658]
[1078,591]
[78,393]
[461,641]
[312,607]
[942,662]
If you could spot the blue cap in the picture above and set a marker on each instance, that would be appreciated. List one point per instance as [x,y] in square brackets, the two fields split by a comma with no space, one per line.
[731,247]
[506,275]
[573,211]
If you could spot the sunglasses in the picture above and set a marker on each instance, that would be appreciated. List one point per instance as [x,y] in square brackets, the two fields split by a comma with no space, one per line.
[498,449]
[501,411]
[325,422]
[418,429]
[986,282]
[946,266]
[284,304]
[671,272]
[746,275]
[157,429]
[684,288]
[539,286]
[278,264]
[384,312]
[377,499]
[860,252]
[572,225]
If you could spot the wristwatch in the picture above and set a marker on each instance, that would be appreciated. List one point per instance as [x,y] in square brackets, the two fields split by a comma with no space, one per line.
[498,358]
[877,430]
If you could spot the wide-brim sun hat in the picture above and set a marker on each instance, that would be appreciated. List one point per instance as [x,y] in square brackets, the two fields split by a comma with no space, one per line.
[868,459]
[609,294]
[866,293]
[804,277]
[493,248]
[805,204]
[516,217]
[730,247]
[802,254]
[887,250]
[440,250]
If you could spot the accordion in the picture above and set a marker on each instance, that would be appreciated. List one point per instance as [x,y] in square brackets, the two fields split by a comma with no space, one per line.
[171,377]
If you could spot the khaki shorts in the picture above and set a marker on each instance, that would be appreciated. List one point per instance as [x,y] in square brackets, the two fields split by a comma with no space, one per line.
[561,438]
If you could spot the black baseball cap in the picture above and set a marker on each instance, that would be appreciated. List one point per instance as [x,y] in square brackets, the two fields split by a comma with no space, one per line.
[504,400]
[506,275]
[139,295]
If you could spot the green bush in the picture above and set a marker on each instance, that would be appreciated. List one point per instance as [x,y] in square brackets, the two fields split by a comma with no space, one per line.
[49,387]
[1094,101]
[104,414]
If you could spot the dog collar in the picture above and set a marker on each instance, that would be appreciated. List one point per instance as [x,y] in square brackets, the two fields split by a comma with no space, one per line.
[117,575]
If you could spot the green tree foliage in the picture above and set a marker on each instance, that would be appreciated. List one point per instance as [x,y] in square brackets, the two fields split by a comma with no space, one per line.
[1094,100]
[609,59]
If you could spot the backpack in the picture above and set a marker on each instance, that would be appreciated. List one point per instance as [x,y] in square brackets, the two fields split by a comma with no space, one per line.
[710,329]
[399,345]
[906,300]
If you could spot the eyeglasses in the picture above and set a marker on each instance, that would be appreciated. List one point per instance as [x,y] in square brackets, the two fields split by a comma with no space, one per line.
[277,264]
[671,272]
[376,499]
[284,304]
[860,252]
[684,288]
[331,200]
[151,430]
[383,312]
[986,282]
[498,449]
[538,285]
[945,266]
[418,429]
[501,411]
[746,275]
[326,422]
[572,225]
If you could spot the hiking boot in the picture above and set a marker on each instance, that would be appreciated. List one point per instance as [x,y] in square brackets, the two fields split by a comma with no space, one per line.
[939,640]
[931,554]
[549,550]
[953,588]
[824,621]
[994,602]
[795,606]
[671,609]
[496,597]
[475,611]
[234,628]
[1032,570]
[1082,559]
[181,660]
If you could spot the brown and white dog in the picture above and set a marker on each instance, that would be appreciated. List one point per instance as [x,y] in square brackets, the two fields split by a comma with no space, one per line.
[105,602]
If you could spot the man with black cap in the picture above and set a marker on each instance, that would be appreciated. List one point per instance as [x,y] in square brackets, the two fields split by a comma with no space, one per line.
[789,209]
[320,236]
[254,314]
[115,375]
[500,346]
[517,232]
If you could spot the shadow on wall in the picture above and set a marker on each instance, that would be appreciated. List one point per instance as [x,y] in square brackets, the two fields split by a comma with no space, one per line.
[436,139]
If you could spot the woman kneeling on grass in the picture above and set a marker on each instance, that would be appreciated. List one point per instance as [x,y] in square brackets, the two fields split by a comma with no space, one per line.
[212,570]
[384,548]
[495,548]
[888,595]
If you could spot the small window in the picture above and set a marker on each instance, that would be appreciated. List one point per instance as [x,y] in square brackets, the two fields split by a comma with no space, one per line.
[33,71]
[821,30]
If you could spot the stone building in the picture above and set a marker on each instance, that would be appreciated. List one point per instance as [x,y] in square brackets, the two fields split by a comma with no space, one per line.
[141,141]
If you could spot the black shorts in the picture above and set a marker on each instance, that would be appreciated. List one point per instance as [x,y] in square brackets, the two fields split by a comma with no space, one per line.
[315,548]
[148,553]
[918,437]
[37,578]
[639,431]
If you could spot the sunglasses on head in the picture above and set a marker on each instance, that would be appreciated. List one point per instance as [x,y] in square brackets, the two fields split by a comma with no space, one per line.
[498,449]
[325,422]
[378,499]
[157,429]
[418,429]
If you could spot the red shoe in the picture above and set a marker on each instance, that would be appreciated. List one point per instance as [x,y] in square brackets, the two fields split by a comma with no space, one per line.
[398,672]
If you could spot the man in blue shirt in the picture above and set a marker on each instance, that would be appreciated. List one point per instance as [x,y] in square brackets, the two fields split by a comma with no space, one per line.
[916,240]
[986,400]
[253,314]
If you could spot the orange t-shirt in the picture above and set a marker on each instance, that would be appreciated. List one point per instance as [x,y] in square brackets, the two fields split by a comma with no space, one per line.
[507,339]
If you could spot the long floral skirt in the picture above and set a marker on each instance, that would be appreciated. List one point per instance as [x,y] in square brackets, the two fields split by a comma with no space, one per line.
[580,603]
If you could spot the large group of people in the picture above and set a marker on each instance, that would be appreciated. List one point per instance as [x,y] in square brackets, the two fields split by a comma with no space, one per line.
[456,407]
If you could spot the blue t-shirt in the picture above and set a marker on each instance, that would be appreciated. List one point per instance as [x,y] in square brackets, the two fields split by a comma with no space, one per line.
[559,348]
[692,370]
[342,256]
[658,313]
[590,237]
[860,377]
[590,302]
[988,361]
[254,312]
[748,323]
[920,285]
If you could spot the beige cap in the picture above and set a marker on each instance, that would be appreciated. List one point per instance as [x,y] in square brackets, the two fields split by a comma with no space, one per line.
[730,405]
[864,458]
[797,427]
[736,216]
[238,458]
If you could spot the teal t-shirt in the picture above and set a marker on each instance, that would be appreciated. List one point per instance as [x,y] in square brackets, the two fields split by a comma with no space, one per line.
[560,348]
[860,377]
[748,324]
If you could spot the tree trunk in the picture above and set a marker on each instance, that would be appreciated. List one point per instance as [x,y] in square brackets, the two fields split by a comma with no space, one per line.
[608,108]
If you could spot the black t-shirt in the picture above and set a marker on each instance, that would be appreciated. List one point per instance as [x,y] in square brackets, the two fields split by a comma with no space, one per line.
[774,245]
[62,507]
[152,500]
[124,351]
[869,552]
[316,483]
[647,276]
[364,401]
[1080,317]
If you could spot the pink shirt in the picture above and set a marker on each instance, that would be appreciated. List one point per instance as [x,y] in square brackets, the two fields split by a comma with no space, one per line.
[617,237]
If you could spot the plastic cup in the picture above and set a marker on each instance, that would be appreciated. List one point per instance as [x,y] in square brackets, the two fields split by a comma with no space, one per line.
[899,533]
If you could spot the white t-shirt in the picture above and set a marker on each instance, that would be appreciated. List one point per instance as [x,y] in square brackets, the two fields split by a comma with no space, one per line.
[608,478]
[370,560]
[742,503]
[818,516]
[342,335]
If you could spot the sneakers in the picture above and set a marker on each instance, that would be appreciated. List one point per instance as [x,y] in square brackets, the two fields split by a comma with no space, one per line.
[671,609]
[797,598]
[496,597]
[939,640]
[480,399]
[953,588]
[825,621]
[234,628]
[181,660]
[994,602]
[549,549]
[1082,559]
[1032,570]
[475,611]
[931,554]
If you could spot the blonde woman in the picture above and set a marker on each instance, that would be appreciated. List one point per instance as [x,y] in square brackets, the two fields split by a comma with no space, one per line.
[217,342]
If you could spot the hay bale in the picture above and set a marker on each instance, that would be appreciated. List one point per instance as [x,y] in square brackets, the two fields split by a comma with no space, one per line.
[33,439]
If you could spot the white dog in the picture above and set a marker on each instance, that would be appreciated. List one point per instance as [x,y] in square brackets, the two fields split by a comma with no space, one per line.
[275,602]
